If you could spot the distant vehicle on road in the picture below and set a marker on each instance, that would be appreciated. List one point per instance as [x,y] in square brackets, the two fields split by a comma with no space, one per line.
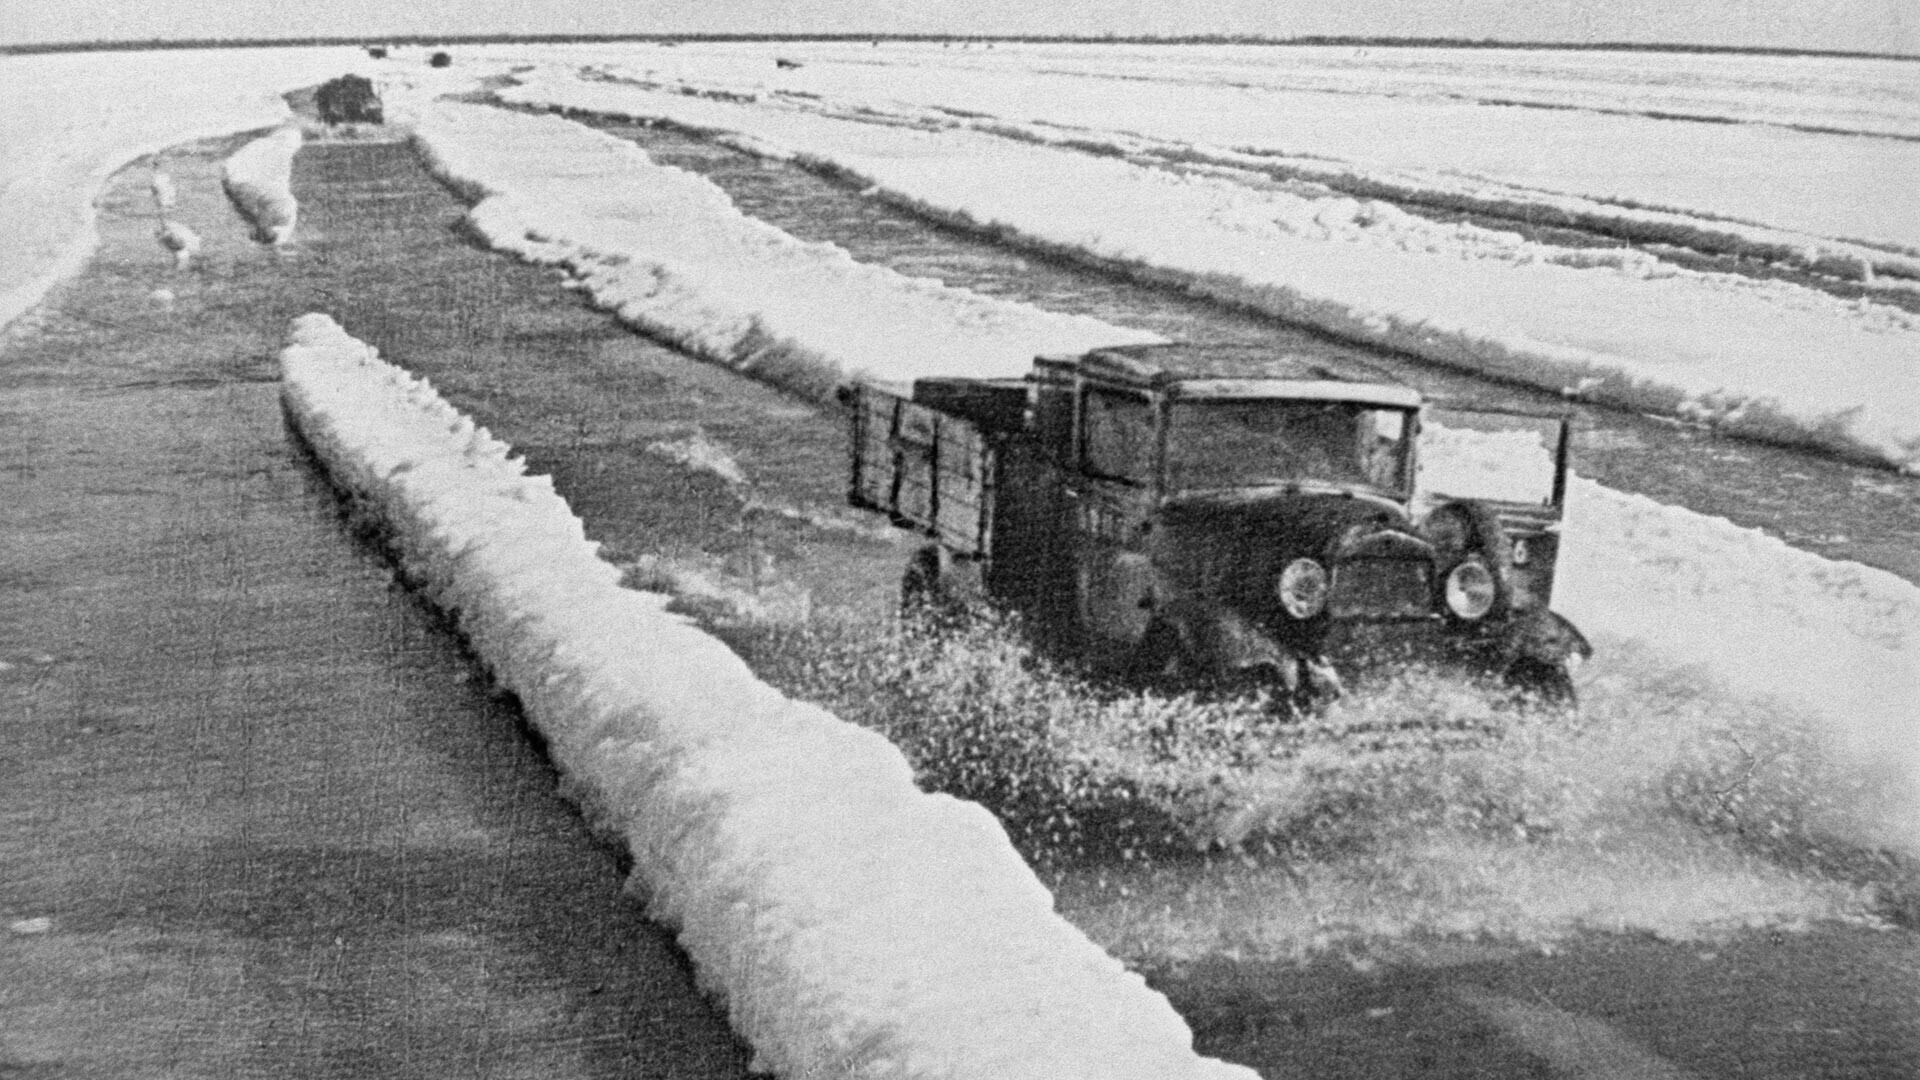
[349,99]
[1225,516]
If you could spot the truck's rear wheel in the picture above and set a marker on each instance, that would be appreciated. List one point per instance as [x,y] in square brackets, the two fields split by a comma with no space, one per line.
[935,585]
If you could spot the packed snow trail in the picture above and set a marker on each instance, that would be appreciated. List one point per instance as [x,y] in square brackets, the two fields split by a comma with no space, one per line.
[1760,358]
[852,923]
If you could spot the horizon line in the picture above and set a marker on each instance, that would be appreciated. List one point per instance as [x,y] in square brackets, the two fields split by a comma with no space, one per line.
[1361,41]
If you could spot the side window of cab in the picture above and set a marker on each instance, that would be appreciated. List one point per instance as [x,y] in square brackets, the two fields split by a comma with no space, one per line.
[1117,438]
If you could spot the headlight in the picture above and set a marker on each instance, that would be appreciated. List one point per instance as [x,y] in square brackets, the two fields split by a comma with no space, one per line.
[1303,588]
[1471,590]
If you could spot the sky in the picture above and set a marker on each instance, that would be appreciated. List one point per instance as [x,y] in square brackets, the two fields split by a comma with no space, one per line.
[1891,26]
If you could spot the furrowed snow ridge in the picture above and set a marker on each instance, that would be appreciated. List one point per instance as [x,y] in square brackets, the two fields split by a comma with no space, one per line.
[853,925]
[669,253]
[259,180]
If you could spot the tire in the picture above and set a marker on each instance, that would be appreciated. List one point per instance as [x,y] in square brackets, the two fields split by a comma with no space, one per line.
[1166,658]
[931,588]
[1159,658]
[1317,684]
[1542,682]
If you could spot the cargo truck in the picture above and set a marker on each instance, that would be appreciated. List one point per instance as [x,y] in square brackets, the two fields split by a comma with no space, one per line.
[1228,516]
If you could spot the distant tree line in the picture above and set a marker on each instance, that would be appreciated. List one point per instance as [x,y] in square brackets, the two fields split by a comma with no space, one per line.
[1055,39]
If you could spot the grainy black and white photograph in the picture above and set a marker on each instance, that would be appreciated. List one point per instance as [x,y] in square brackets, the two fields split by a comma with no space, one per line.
[999,540]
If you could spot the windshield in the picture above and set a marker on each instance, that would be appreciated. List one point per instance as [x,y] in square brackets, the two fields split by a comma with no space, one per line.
[1230,444]
[1483,454]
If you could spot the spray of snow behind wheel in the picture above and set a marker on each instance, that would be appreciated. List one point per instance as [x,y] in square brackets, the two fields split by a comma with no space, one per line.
[1174,826]
[1684,798]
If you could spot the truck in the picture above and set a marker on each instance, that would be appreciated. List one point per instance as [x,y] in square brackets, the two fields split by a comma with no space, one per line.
[349,99]
[1229,516]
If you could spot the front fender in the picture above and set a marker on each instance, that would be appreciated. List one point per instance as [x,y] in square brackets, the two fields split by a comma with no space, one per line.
[1545,636]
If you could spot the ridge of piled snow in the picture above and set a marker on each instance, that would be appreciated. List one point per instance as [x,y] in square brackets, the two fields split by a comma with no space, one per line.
[854,924]
[73,119]
[258,177]
[1766,359]
[161,187]
[1707,234]
[180,239]
[668,251]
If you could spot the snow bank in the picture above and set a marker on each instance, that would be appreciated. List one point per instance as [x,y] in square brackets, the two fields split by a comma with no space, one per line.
[161,187]
[853,924]
[669,252]
[1766,359]
[179,239]
[1440,190]
[72,119]
[259,178]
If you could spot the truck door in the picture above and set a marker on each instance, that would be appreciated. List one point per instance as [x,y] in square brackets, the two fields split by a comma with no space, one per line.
[1109,507]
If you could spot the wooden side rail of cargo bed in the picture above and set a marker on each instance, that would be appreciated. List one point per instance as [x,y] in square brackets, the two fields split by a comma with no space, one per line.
[928,470]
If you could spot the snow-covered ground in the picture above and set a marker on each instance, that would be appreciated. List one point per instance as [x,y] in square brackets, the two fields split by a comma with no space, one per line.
[854,925]
[1765,358]
[71,119]
[1812,144]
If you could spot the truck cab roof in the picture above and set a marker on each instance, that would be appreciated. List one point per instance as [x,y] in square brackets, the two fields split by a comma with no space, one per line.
[1189,370]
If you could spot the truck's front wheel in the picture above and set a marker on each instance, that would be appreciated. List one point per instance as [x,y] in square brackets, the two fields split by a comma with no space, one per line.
[1542,681]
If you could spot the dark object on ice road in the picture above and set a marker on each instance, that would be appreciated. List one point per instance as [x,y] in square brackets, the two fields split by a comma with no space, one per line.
[1223,516]
[349,99]
[439,59]
[783,62]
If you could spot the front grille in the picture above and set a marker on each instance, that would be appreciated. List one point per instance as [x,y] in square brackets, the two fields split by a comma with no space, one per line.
[1381,589]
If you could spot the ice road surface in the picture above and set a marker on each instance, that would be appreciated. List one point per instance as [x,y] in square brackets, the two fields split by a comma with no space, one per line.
[853,924]
[1765,358]
[1838,641]
[71,119]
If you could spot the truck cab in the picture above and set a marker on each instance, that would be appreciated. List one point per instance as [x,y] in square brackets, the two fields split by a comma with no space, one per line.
[1225,515]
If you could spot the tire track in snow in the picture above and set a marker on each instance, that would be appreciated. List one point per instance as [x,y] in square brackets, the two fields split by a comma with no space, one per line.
[1577,1047]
